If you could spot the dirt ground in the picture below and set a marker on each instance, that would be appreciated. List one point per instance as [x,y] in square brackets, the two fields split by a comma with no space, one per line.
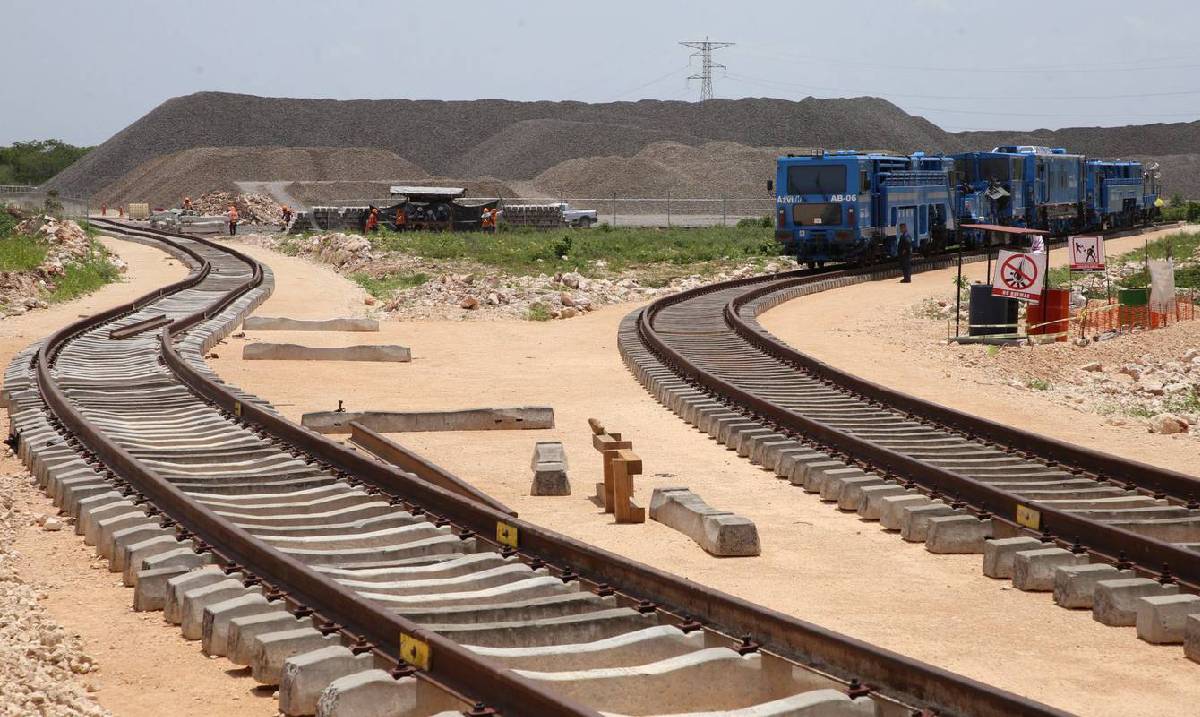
[821,565]
[146,668]
[855,327]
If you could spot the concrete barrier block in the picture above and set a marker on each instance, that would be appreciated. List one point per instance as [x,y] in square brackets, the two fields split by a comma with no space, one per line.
[296,352]
[1162,619]
[1033,570]
[1074,585]
[550,479]
[1000,553]
[306,676]
[281,323]
[1191,637]
[1115,602]
[719,532]
[548,452]
[957,534]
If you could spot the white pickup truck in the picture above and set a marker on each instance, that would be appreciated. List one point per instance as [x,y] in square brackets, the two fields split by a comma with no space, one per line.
[548,215]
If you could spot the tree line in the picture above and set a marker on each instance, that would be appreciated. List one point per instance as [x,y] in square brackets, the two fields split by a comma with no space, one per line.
[35,162]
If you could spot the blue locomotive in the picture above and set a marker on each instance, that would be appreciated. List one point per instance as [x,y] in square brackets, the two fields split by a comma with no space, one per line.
[847,206]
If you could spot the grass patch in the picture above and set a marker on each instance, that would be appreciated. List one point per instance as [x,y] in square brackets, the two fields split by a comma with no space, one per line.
[83,277]
[538,312]
[1038,384]
[525,251]
[382,287]
[20,253]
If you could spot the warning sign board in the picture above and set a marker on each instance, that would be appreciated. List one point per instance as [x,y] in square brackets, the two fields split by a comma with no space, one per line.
[1019,275]
[1087,253]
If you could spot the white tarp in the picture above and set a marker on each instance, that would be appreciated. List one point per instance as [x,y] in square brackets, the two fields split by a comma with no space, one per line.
[1019,275]
[1162,285]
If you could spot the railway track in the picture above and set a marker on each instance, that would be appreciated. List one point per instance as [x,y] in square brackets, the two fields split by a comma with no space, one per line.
[1100,532]
[362,589]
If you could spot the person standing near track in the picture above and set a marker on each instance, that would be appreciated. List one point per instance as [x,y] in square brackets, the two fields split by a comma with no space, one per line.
[904,249]
[233,219]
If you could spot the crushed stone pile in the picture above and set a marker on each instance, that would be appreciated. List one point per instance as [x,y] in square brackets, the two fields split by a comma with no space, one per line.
[165,180]
[66,243]
[473,292]
[41,664]
[252,208]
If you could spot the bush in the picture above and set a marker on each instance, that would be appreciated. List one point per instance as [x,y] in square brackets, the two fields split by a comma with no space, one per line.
[538,312]
[764,221]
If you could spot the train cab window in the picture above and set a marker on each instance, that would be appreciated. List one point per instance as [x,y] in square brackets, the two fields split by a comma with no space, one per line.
[893,222]
[923,219]
[864,181]
[816,179]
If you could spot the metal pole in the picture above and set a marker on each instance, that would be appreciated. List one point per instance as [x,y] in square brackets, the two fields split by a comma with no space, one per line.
[614,208]
[668,208]
[723,211]
[958,296]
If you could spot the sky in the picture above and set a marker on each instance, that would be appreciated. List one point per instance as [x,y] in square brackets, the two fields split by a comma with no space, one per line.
[81,71]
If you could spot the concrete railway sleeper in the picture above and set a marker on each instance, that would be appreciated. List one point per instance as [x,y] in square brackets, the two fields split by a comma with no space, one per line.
[1103,533]
[361,589]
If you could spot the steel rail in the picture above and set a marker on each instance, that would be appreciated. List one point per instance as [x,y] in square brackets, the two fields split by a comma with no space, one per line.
[1150,555]
[454,666]
[676,599]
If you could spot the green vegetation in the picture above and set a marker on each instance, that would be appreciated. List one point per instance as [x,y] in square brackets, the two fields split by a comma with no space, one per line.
[83,277]
[383,286]
[21,253]
[538,312]
[534,252]
[35,162]
[1177,210]
[1180,246]
[1038,384]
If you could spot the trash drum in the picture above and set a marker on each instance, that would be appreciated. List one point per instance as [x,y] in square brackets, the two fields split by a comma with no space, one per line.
[1134,306]
[991,315]
[1051,319]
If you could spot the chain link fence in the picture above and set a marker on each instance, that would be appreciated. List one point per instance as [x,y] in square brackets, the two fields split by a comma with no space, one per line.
[618,211]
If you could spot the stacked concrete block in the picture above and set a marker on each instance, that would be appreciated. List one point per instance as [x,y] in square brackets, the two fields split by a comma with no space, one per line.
[549,464]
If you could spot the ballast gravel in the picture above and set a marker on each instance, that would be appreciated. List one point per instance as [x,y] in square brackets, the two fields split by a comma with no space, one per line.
[43,668]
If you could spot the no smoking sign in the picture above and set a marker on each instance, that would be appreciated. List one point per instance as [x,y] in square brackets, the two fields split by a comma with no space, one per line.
[1019,275]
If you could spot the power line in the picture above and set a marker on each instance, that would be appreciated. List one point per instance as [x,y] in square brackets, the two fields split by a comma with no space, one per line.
[1057,69]
[1008,98]
[706,48]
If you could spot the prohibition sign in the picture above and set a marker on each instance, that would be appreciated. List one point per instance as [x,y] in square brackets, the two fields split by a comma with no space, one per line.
[1018,273]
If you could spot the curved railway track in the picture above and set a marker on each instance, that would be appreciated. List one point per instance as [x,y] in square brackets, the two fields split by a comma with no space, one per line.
[363,589]
[935,475]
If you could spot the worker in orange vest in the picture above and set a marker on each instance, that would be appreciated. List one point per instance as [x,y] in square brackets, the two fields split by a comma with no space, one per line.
[187,205]
[287,215]
[104,210]
[401,219]
[487,221]
[121,211]
[373,220]
[233,219]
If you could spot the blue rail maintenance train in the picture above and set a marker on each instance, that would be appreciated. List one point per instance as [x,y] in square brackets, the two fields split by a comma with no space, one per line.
[847,206]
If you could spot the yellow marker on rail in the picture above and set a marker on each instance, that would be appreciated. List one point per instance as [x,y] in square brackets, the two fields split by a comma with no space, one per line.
[1029,517]
[237,408]
[506,534]
[415,652]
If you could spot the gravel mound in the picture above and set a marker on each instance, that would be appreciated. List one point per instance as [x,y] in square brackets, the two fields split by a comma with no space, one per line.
[165,180]
[519,140]
[252,208]
[714,169]
[438,135]
[1180,172]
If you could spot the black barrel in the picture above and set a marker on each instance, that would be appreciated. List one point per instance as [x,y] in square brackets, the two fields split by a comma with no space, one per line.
[990,315]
